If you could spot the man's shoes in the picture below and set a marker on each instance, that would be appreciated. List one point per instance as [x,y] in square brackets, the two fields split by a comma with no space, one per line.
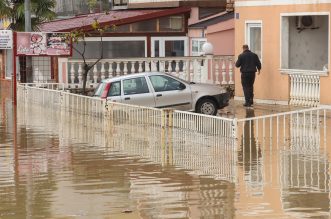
[247,105]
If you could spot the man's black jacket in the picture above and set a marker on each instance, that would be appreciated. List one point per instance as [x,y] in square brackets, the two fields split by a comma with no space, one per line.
[248,62]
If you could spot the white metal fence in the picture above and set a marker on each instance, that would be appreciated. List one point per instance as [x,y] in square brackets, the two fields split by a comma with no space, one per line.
[127,114]
[298,137]
[294,125]
[299,123]
[203,144]
[187,140]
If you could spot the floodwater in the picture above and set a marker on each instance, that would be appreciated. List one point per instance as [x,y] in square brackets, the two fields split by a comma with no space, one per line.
[62,165]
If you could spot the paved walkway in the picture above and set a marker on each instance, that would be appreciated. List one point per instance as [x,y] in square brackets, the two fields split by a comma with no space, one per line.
[237,110]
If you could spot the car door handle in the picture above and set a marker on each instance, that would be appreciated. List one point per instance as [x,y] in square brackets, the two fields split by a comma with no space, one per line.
[159,95]
[127,98]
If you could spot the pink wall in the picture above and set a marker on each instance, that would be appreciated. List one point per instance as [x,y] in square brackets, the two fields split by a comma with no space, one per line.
[221,36]
[194,16]
[194,33]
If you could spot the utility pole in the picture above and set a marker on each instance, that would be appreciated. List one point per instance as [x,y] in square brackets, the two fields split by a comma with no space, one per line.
[27,28]
[101,5]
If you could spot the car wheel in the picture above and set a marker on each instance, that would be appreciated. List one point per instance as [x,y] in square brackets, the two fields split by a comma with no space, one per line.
[207,106]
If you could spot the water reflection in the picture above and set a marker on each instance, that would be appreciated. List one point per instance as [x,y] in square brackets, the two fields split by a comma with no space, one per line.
[63,164]
[250,156]
[68,166]
[296,173]
[305,171]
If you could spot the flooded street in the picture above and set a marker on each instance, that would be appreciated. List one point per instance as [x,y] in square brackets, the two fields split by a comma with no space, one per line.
[56,164]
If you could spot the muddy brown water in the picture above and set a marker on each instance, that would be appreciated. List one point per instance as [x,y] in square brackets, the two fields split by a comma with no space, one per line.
[62,165]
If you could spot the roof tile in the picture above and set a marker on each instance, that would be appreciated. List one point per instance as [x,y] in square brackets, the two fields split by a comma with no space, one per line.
[112,17]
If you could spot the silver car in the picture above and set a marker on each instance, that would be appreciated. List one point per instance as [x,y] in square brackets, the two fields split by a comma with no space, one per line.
[155,89]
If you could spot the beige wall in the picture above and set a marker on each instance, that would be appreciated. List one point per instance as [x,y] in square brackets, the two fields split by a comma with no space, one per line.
[271,85]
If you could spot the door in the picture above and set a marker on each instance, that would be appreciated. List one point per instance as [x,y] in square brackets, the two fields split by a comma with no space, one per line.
[137,92]
[170,92]
[169,46]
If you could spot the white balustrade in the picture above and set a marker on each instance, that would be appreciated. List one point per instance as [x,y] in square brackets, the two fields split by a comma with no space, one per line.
[193,69]
[95,74]
[223,72]
[118,69]
[305,86]
[72,73]
[103,71]
[80,72]
[231,79]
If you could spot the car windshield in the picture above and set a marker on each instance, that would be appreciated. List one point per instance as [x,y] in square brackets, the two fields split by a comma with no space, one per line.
[99,90]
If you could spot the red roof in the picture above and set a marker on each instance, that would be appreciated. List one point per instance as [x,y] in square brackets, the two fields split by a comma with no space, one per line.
[110,18]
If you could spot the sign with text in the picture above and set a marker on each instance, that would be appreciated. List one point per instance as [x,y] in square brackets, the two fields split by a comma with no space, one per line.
[42,44]
[6,39]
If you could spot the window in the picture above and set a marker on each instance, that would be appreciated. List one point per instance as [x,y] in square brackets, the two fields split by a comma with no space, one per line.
[197,46]
[119,29]
[145,26]
[120,2]
[135,86]
[254,37]
[41,69]
[172,23]
[163,83]
[115,89]
[112,49]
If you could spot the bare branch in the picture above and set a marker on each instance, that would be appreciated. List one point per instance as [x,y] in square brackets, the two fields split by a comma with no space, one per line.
[79,52]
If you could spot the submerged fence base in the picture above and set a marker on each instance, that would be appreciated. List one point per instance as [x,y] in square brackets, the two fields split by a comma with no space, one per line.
[169,137]
[294,125]
[286,152]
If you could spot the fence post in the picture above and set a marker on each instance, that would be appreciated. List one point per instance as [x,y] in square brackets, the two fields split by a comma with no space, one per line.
[234,128]
[167,118]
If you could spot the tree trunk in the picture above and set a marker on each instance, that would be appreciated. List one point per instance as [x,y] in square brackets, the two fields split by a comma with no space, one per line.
[86,70]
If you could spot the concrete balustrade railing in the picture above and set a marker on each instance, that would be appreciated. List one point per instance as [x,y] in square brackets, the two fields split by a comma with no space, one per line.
[204,69]
[304,86]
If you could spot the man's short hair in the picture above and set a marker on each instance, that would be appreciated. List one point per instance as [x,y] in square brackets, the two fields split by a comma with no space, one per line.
[245,46]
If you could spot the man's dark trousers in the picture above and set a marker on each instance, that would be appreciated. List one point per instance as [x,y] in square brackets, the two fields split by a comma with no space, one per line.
[247,81]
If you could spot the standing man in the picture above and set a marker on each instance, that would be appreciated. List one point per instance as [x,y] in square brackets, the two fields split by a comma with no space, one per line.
[249,63]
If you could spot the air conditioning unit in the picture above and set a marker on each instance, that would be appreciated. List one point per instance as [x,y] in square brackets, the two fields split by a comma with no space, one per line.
[306,22]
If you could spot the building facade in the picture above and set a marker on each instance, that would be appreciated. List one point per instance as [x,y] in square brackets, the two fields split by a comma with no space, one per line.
[292,39]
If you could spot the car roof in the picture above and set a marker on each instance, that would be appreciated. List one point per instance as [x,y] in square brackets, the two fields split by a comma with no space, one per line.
[117,78]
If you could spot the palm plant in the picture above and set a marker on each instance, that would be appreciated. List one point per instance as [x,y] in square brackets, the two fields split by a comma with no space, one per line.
[41,11]
[4,9]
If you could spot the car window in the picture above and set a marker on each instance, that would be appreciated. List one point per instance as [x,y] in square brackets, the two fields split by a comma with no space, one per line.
[115,89]
[135,86]
[99,89]
[164,83]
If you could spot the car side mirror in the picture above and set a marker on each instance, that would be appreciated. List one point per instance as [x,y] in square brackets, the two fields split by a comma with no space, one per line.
[182,86]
